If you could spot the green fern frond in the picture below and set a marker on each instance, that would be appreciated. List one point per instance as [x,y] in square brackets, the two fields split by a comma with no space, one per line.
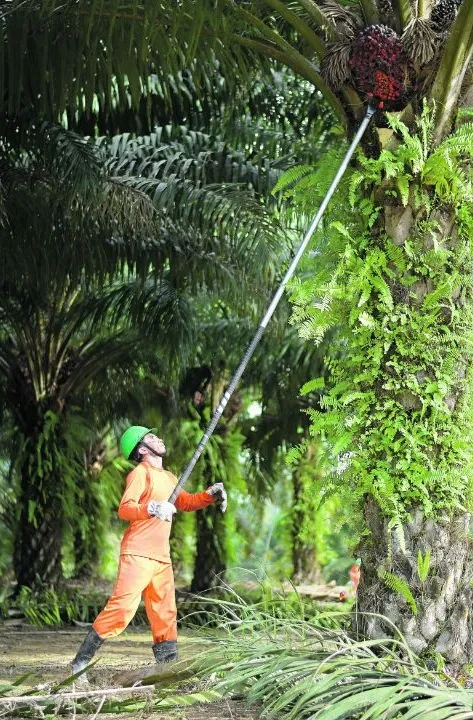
[402,183]
[389,557]
[400,586]
[395,525]
[395,255]
[311,385]
[423,565]
[291,177]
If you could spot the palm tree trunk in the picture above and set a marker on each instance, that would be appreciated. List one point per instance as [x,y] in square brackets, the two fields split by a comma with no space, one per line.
[210,560]
[306,567]
[431,605]
[39,534]
[46,496]
[441,619]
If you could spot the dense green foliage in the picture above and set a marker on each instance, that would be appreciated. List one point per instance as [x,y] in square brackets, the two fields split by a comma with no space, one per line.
[391,401]
[392,282]
[119,249]
[176,243]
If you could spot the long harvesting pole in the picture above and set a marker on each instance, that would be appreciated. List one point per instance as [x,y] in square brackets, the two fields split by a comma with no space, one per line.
[273,305]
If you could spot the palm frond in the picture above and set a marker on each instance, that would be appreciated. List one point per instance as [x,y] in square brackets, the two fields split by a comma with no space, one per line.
[299,64]
[176,196]
[371,11]
[153,308]
[187,154]
[76,159]
[197,184]
[403,11]
[343,18]
[99,68]
[55,190]
[304,30]
[320,20]
[336,64]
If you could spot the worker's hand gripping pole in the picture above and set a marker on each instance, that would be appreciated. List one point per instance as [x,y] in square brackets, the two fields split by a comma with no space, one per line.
[272,307]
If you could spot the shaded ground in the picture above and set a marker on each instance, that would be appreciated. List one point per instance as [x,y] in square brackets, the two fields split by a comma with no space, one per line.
[46,655]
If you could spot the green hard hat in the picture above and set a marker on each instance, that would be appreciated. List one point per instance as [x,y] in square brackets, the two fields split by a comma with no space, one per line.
[131,437]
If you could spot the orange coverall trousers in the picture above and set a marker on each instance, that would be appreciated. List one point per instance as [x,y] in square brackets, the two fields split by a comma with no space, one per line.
[139,576]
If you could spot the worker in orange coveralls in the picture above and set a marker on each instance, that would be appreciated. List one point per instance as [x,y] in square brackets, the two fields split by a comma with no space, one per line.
[145,565]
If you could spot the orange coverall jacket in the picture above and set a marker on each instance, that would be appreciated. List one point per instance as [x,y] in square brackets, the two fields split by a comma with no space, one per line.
[146,536]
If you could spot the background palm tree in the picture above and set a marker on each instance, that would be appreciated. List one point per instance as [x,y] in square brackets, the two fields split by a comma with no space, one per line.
[103,281]
[282,369]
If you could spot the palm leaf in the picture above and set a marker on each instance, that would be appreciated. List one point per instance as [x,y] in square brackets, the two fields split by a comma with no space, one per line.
[298,670]
[300,26]
[197,186]
[96,66]
[319,18]
[292,59]
[75,158]
[370,11]
[403,11]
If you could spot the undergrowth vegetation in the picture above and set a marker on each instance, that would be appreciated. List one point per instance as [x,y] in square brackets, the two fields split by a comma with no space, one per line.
[48,607]
[284,667]
[297,669]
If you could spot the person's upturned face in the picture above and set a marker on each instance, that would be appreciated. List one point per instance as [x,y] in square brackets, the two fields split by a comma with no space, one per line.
[155,443]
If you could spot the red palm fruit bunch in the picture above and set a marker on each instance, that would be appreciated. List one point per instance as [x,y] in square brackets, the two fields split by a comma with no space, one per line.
[379,66]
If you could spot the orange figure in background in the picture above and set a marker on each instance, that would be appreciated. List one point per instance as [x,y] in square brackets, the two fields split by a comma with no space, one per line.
[354,573]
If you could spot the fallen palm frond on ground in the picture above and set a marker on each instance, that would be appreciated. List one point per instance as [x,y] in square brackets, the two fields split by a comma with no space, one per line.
[158,689]
[297,670]
[109,700]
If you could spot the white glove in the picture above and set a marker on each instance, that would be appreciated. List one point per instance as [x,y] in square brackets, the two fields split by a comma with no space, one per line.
[161,509]
[218,491]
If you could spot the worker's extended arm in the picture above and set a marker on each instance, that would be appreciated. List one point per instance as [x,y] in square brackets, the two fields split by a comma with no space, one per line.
[193,501]
[214,493]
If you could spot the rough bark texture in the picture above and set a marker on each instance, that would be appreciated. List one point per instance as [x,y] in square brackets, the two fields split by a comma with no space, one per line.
[444,621]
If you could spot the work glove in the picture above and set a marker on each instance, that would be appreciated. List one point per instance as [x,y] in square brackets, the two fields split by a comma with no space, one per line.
[161,509]
[219,492]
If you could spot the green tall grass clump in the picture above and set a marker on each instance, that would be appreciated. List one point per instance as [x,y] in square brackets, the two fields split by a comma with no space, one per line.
[294,669]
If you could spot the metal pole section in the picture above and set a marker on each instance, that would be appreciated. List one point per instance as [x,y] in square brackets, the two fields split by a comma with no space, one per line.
[272,307]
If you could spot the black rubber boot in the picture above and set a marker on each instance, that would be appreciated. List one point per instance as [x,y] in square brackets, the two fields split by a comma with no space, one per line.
[86,652]
[166,651]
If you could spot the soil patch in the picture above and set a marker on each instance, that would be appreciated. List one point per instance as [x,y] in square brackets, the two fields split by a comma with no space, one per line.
[45,656]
